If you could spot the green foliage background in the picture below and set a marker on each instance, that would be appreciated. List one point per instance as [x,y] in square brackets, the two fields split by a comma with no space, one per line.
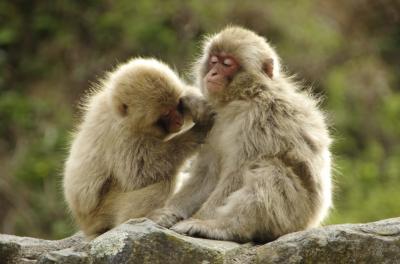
[51,51]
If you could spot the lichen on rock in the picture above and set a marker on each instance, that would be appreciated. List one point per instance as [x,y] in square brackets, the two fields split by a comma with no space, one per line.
[110,243]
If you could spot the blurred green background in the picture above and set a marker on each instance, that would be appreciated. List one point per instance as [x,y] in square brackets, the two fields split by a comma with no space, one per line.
[51,51]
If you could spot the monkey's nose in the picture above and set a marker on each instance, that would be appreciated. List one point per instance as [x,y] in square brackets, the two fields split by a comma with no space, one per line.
[214,76]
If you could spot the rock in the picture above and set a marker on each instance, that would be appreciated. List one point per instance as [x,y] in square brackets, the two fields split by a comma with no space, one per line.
[377,242]
[142,241]
[14,249]
[67,256]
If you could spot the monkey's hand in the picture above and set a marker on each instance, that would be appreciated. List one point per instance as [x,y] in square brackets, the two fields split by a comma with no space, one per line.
[202,113]
[201,228]
[199,108]
[165,217]
[189,227]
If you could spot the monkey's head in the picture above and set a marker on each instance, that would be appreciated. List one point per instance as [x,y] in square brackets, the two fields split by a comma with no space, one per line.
[233,61]
[146,95]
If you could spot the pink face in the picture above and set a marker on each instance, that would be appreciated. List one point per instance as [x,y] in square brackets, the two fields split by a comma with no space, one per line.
[221,69]
[172,119]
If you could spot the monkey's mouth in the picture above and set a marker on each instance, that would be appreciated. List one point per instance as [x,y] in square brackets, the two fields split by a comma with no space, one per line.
[214,82]
[214,86]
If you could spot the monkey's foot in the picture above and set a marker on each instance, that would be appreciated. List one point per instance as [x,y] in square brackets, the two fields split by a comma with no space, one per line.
[165,217]
[201,228]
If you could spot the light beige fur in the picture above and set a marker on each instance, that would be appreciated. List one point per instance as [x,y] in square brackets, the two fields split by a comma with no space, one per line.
[265,169]
[121,164]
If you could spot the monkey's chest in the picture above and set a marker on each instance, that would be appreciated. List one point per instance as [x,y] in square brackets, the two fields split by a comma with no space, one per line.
[225,140]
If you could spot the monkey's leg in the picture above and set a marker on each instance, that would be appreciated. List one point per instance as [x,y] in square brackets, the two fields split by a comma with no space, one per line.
[226,185]
[84,196]
[117,207]
[96,223]
[139,203]
[193,193]
[234,221]
[271,203]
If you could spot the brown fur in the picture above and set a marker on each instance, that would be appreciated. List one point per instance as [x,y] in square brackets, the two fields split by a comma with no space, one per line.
[265,168]
[121,164]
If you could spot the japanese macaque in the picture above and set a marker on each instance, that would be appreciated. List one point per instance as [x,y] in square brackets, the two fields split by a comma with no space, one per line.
[264,170]
[125,154]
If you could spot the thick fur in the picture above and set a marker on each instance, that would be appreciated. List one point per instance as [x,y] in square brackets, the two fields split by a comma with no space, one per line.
[265,169]
[120,164]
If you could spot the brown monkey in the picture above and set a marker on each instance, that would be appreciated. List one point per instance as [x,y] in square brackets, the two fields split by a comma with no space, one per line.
[265,168]
[122,163]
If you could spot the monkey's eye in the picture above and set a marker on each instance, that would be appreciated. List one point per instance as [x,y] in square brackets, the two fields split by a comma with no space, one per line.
[227,62]
[213,59]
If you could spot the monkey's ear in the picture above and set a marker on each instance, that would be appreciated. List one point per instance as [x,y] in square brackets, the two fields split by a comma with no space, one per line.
[122,109]
[268,67]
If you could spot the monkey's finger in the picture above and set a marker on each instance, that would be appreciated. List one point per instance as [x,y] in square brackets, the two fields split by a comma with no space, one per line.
[184,227]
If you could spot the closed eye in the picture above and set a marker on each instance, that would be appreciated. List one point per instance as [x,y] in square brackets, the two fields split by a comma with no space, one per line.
[227,62]
[214,59]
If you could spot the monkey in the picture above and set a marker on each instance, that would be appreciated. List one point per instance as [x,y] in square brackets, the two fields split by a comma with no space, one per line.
[265,168]
[123,161]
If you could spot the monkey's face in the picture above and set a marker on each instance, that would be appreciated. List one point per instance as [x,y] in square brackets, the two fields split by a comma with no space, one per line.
[171,119]
[232,58]
[226,79]
[146,95]
[153,117]
[221,69]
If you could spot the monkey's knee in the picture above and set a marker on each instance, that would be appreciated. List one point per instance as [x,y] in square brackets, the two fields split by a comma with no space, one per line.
[94,225]
[95,231]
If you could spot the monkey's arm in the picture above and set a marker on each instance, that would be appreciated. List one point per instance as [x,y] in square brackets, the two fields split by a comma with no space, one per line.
[203,116]
[204,176]
[192,194]
[226,185]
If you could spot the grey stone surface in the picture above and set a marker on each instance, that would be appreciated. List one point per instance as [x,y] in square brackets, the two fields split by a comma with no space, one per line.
[14,249]
[67,256]
[141,241]
[377,242]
